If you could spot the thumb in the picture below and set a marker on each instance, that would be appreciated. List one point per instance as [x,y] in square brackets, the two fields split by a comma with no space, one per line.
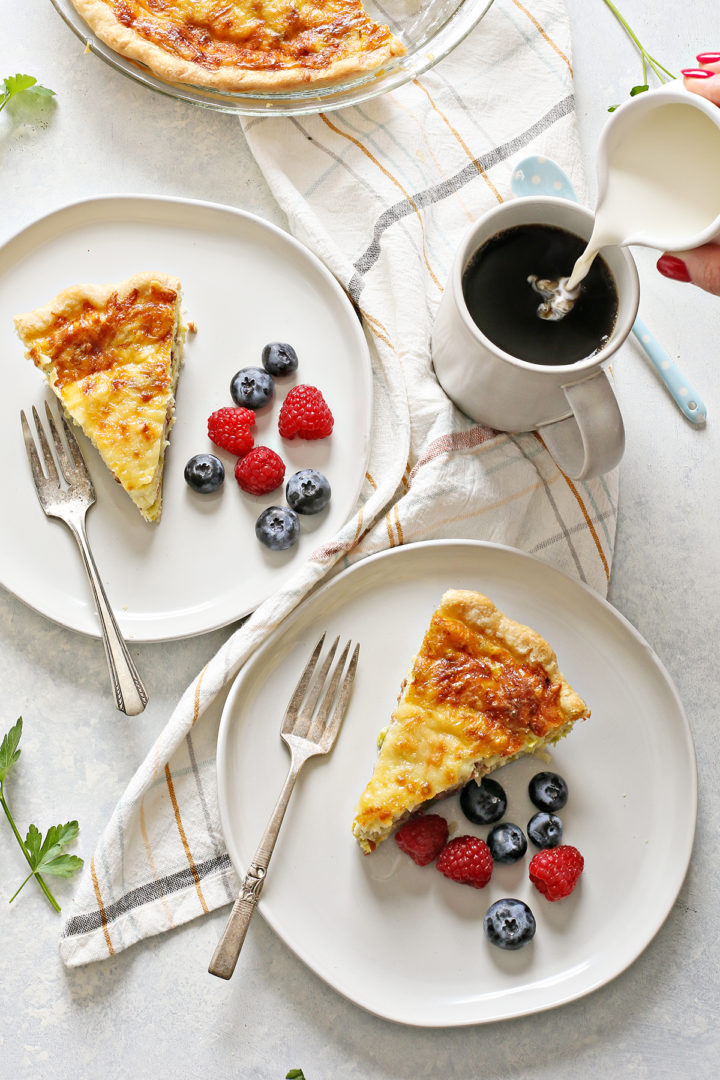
[701,266]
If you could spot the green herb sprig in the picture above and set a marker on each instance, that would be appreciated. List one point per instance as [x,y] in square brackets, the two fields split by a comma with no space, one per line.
[44,856]
[648,61]
[295,1074]
[13,85]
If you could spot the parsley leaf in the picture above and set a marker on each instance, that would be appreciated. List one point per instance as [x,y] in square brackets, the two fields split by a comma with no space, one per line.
[47,855]
[44,856]
[22,84]
[295,1074]
[9,752]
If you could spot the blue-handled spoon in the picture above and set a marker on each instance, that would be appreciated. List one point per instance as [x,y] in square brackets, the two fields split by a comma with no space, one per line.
[542,176]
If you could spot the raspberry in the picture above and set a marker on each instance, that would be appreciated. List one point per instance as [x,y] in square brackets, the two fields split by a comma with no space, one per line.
[230,429]
[260,471]
[305,413]
[423,838]
[555,871]
[466,859]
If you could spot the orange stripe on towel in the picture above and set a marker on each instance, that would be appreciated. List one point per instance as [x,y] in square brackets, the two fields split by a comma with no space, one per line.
[183,837]
[390,177]
[543,33]
[101,907]
[196,700]
[460,139]
[581,504]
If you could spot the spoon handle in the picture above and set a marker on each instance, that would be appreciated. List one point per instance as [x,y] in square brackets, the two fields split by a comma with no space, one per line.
[683,394]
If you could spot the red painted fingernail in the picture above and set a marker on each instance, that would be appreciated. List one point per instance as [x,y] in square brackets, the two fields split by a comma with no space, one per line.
[672,267]
[708,58]
[697,73]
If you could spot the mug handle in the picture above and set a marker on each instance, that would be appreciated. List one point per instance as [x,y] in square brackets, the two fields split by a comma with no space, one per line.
[592,440]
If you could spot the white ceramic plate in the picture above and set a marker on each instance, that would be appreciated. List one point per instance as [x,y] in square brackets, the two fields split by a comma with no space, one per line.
[245,283]
[401,940]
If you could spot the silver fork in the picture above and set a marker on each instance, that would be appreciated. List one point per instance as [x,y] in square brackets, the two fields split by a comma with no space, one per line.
[306,733]
[70,504]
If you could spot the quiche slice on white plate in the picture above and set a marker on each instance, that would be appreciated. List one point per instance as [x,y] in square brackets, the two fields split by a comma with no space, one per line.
[482,691]
[112,355]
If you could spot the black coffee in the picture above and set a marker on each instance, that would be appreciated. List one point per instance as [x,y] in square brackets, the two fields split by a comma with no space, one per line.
[504,305]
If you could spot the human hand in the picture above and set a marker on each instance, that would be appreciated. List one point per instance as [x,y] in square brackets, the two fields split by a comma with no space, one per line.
[702,265]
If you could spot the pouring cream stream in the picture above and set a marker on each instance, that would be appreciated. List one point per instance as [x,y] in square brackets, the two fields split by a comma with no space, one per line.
[536,175]
[661,181]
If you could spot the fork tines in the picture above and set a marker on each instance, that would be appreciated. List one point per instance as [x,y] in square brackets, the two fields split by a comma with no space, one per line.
[301,718]
[71,462]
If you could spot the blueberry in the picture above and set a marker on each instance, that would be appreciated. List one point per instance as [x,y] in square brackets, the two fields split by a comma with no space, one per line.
[278,528]
[545,830]
[204,473]
[279,358]
[509,924]
[548,791]
[251,388]
[483,803]
[308,491]
[507,842]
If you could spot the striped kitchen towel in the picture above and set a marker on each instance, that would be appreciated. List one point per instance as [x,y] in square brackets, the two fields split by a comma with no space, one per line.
[382,193]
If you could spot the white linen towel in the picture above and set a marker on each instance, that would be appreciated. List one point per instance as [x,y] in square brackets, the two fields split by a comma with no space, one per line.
[382,193]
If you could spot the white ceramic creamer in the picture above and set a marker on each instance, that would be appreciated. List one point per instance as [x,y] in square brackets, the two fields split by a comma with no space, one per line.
[658,175]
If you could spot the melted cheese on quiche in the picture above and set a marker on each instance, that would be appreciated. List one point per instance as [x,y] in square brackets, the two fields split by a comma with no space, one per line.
[482,691]
[244,44]
[112,355]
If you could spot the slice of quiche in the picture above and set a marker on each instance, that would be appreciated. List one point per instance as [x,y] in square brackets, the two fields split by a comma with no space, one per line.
[482,691]
[112,355]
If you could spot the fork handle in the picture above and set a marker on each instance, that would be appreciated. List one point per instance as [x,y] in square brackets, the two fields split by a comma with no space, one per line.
[228,948]
[130,694]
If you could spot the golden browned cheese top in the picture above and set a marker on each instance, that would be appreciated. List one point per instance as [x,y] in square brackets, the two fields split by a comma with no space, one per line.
[500,697]
[266,35]
[93,338]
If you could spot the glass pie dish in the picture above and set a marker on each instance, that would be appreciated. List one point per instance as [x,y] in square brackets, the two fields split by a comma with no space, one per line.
[429,29]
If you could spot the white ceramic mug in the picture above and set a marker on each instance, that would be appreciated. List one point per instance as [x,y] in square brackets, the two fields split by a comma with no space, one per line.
[573,406]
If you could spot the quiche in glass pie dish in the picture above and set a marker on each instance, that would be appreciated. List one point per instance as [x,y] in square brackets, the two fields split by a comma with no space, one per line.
[244,45]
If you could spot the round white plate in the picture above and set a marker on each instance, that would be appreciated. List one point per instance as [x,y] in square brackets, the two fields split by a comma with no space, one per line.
[245,283]
[401,940]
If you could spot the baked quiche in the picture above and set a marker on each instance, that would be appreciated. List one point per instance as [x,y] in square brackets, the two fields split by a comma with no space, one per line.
[482,691]
[245,45]
[112,354]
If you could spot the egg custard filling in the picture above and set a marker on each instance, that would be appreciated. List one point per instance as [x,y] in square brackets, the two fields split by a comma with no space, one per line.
[482,691]
[244,45]
[112,355]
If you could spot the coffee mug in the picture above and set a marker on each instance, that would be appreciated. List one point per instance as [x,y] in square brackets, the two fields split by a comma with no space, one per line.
[572,406]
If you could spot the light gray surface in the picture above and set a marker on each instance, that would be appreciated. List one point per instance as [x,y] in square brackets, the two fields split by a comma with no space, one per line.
[153,1010]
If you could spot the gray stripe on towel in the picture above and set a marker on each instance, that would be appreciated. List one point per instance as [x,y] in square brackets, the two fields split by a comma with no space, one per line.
[145,894]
